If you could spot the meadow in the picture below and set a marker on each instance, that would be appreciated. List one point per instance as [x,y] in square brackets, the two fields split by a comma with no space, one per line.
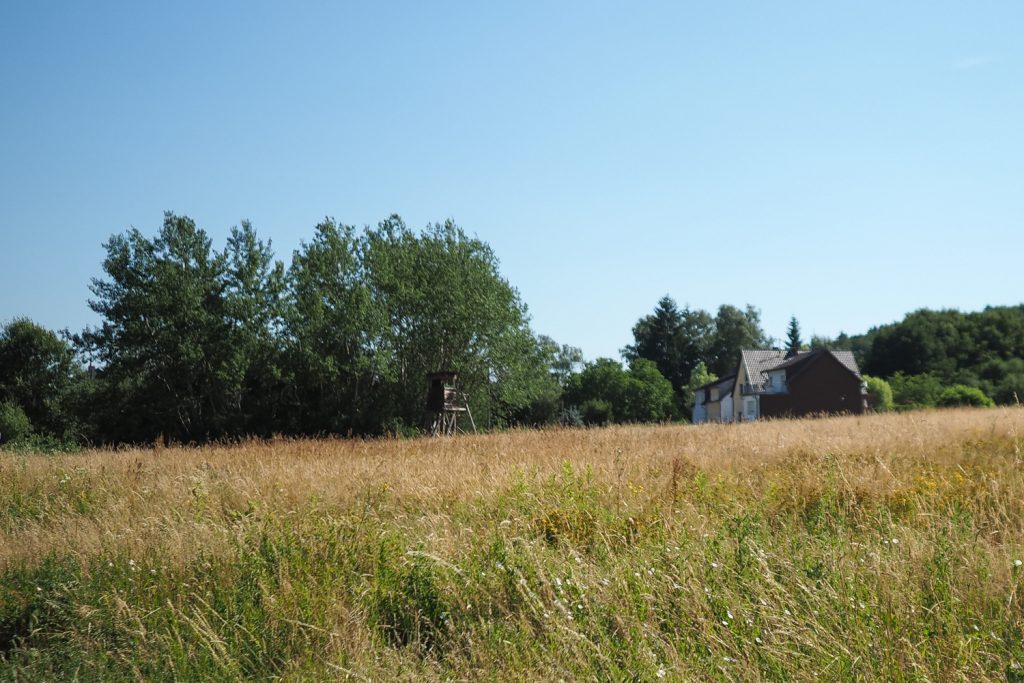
[884,547]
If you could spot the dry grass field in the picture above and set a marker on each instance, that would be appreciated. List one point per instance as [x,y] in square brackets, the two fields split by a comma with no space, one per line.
[885,547]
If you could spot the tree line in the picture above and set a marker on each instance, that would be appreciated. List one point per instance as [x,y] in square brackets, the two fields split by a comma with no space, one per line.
[198,343]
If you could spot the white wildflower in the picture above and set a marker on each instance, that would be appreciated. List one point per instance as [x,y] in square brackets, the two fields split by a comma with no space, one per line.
[895,541]
[757,639]
[1017,563]
[660,673]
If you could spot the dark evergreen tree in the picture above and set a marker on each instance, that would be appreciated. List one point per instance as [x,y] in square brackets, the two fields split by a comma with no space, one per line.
[793,342]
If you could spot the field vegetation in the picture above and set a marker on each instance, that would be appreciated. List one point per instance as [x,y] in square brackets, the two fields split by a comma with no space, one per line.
[883,547]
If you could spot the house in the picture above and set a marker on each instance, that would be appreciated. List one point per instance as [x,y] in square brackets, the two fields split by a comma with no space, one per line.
[713,402]
[772,383]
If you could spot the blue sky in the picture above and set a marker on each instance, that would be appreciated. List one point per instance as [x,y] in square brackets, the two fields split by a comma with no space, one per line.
[844,162]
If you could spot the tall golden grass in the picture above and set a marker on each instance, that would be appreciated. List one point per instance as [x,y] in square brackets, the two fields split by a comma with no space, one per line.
[877,547]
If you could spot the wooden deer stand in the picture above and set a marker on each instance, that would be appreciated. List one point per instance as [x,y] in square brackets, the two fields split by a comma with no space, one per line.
[445,404]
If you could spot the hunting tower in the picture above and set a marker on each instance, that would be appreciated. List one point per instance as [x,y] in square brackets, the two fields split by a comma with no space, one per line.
[445,404]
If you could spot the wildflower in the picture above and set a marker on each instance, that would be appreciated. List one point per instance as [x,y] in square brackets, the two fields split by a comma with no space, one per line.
[38,589]
[714,565]
[757,639]
[558,582]
[1017,563]
[861,605]
[724,622]
[660,673]
[729,614]
[895,541]
[787,612]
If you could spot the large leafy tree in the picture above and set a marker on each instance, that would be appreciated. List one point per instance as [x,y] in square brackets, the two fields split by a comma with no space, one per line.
[184,341]
[335,329]
[734,330]
[446,306]
[39,374]
[675,340]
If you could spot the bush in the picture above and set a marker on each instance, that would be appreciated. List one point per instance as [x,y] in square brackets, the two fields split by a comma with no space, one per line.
[879,394]
[14,423]
[597,412]
[571,417]
[962,395]
[919,391]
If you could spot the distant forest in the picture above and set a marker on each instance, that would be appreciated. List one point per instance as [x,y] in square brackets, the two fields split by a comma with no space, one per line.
[199,344]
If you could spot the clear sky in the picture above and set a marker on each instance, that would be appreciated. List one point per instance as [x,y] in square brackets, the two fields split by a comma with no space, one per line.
[845,162]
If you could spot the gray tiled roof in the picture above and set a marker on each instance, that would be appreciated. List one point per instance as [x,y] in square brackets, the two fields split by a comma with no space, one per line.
[844,357]
[757,361]
[847,359]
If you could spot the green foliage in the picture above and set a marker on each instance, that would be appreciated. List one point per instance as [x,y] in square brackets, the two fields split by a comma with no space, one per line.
[677,341]
[793,342]
[880,395]
[983,349]
[198,343]
[597,412]
[734,331]
[14,423]
[698,378]
[38,372]
[960,395]
[915,391]
[605,392]
[332,324]
[446,306]
[186,342]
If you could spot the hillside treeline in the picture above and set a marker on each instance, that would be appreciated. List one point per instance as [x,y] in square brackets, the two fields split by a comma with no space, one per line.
[198,343]
[928,350]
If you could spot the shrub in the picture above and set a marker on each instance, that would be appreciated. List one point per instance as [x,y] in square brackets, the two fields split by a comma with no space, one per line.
[920,391]
[596,412]
[879,393]
[14,423]
[962,395]
[571,417]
